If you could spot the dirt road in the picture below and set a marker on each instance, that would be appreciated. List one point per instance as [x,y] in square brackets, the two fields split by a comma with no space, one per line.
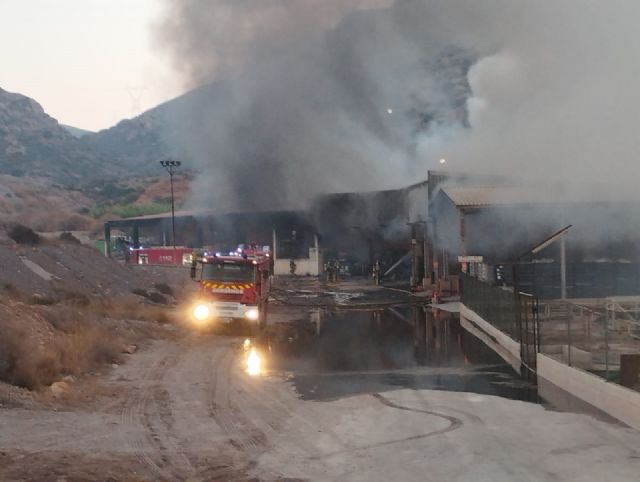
[186,410]
[174,414]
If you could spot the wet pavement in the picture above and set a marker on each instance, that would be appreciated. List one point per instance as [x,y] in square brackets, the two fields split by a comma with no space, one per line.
[346,353]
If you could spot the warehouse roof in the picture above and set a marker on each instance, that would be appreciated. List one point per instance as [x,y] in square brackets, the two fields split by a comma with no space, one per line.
[470,197]
[489,196]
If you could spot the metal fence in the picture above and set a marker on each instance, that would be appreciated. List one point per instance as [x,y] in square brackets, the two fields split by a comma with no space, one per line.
[512,312]
[495,304]
[601,336]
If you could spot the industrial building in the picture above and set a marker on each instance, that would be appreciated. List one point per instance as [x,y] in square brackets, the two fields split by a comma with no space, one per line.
[484,230]
[354,228]
[287,233]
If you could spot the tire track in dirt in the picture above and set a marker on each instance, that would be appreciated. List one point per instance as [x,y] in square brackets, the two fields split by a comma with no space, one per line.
[242,433]
[150,409]
[286,408]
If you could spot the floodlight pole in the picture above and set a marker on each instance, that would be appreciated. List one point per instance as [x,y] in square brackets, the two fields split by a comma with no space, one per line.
[171,167]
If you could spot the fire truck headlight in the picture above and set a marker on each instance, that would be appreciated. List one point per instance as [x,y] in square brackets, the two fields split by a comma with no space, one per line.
[253,314]
[201,312]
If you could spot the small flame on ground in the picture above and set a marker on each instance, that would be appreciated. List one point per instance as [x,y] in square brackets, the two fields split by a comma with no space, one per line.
[247,344]
[253,363]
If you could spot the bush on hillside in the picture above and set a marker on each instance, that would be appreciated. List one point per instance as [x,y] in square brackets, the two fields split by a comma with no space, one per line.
[69,238]
[164,288]
[23,235]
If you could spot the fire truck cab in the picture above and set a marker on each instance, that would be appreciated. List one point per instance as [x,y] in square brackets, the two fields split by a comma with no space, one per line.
[233,287]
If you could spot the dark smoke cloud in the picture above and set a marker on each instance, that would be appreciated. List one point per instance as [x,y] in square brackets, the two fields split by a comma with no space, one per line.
[304,97]
[298,93]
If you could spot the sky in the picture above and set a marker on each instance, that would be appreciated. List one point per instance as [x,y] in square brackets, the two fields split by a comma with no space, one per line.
[89,63]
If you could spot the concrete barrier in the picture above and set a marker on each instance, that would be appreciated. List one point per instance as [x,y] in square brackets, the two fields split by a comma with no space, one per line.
[502,344]
[617,401]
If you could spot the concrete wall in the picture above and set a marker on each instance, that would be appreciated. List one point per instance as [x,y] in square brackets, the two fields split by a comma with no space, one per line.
[311,266]
[615,400]
[495,339]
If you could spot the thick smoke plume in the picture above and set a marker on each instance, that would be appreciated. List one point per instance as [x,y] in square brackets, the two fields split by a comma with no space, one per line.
[309,96]
[305,97]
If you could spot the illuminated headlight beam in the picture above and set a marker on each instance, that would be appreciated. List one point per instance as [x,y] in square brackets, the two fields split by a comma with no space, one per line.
[253,314]
[201,312]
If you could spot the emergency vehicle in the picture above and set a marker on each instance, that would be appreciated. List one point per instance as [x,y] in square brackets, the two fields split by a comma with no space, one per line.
[233,287]
[158,255]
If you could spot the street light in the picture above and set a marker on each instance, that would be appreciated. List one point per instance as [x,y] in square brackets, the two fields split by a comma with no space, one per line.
[171,167]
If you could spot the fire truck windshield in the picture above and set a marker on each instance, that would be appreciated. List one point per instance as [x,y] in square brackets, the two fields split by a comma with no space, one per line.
[227,272]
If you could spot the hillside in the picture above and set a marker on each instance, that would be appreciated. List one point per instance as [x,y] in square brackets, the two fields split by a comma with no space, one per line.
[159,133]
[53,178]
[34,144]
[76,132]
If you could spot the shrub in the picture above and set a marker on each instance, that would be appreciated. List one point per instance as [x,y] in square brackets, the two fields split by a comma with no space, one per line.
[69,238]
[140,292]
[45,300]
[76,298]
[29,366]
[25,365]
[23,235]
[156,297]
[164,288]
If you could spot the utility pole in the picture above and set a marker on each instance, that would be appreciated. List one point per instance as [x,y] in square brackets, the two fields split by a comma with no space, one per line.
[171,167]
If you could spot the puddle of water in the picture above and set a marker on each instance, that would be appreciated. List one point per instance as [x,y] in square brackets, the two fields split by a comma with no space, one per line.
[356,352]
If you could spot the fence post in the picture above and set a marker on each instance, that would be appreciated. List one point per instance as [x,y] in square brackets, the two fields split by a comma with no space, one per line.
[568,333]
[606,346]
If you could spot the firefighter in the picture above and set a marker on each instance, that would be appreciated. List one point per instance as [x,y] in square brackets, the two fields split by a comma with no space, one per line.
[377,272]
[335,270]
[292,267]
[326,268]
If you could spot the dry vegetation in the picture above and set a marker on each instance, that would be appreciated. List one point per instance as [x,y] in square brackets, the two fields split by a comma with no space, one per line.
[45,342]
[44,207]
[66,310]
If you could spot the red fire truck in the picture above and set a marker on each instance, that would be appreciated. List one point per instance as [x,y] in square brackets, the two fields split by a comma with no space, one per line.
[233,287]
[160,255]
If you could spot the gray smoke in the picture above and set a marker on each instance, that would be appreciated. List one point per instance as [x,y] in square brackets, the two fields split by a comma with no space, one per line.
[308,97]
[312,96]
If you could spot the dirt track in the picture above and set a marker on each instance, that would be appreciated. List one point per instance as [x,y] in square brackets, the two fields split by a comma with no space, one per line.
[183,408]
[176,416]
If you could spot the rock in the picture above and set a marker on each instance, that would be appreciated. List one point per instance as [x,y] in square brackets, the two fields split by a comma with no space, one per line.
[115,365]
[60,389]
[130,349]
[69,379]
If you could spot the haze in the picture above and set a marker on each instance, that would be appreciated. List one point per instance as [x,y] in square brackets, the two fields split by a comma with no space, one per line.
[89,63]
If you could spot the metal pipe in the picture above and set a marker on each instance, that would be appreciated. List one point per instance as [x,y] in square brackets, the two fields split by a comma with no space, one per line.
[606,346]
[173,214]
[568,334]
[563,269]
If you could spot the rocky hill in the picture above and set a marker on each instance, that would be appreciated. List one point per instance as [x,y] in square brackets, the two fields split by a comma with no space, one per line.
[34,144]
[159,133]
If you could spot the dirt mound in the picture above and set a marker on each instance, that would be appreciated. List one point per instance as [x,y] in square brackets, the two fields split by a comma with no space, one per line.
[60,269]
[65,309]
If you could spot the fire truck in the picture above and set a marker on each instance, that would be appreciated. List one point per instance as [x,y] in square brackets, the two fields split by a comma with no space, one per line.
[157,255]
[233,287]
